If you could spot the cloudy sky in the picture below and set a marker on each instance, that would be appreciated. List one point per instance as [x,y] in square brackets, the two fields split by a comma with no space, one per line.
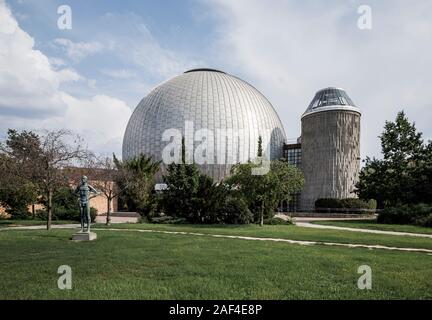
[91,77]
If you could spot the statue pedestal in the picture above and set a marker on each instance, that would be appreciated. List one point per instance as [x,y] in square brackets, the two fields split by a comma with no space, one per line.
[84,236]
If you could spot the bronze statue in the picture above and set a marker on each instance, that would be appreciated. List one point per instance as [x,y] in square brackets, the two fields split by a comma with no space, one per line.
[83,191]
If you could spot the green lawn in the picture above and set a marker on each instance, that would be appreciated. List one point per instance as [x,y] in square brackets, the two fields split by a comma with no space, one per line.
[372,224]
[289,232]
[132,265]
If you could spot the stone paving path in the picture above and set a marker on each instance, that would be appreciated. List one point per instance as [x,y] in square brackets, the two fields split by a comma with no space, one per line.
[299,242]
[393,233]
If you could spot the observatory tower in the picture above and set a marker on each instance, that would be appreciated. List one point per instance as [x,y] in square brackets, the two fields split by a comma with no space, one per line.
[330,142]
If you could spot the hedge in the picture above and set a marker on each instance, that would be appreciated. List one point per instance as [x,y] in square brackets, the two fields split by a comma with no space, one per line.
[416,214]
[61,213]
[350,204]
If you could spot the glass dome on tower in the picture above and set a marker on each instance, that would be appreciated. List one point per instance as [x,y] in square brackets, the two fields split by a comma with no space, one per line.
[331,98]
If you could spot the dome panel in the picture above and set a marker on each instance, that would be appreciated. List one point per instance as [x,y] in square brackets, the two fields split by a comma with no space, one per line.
[212,100]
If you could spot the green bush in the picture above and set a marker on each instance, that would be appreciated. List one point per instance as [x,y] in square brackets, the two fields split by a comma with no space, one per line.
[16,197]
[65,206]
[328,203]
[425,221]
[277,221]
[354,203]
[167,220]
[372,204]
[417,214]
[234,211]
[347,203]
[61,213]
[18,213]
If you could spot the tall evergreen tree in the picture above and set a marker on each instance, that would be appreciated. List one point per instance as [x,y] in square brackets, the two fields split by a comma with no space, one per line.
[399,176]
[182,181]
[260,150]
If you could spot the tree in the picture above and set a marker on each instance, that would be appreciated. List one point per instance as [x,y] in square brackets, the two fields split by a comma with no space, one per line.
[111,178]
[191,194]
[183,183]
[372,182]
[136,180]
[260,150]
[16,196]
[17,190]
[423,174]
[49,163]
[401,176]
[263,192]
[41,160]
[400,141]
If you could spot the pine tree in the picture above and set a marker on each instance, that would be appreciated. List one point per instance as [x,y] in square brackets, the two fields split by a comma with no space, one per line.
[260,151]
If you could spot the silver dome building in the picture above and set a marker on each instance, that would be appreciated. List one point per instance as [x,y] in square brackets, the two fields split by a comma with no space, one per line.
[219,115]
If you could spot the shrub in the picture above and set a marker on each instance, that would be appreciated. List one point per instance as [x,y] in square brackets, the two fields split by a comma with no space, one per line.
[417,214]
[372,204]
[65,206]
[347,203]
[328,203]
[424,221]
[354,203]
[18,213]
[16,196]
[143,219]
[168,220]
[61,213]
[277,221]
[234,211]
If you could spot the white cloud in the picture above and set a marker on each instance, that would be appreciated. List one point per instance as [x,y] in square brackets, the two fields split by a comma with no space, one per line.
[133,43]
[31,96]
[78,50]
[119,73]
[100,111]
[56,62]
[66,75]
[290,49]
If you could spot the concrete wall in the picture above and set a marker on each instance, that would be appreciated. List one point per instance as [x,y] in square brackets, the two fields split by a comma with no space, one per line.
[100,203]
[330,155]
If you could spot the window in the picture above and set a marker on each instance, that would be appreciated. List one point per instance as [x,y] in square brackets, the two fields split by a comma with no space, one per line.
[293,156]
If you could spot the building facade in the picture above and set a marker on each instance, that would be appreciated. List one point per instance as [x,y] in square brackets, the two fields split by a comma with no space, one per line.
[328,151]
[212,110]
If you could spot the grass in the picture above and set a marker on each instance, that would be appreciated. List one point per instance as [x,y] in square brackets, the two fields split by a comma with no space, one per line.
[129,265]
[30,222]
[372,224]
[288,232]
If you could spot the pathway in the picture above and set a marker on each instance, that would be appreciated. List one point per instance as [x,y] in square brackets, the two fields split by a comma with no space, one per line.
[393,233]
[300,242]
